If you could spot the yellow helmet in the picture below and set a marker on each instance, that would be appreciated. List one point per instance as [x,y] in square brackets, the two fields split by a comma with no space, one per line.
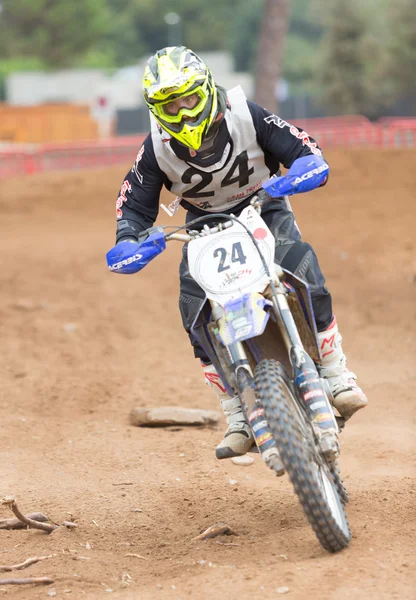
[177,72]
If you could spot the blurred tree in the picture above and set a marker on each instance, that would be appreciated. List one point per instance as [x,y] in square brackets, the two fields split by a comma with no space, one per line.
[347,54]
[400,63]
[123,37]
[305,31]
[244,32]
[117,32]
[56,31]
[141,27]
[367,58]
[270,51]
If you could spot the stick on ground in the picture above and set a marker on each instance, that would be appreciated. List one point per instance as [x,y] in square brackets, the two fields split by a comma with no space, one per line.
[44,580]
[18,524]
[214,530]
[27,521]
[26,563]
[164,416]
[10,501]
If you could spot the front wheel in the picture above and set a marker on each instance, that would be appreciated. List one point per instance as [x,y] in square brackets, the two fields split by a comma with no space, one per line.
[309,473]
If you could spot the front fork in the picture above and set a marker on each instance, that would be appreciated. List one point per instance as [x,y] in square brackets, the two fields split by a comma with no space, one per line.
[308,386]
[252,408]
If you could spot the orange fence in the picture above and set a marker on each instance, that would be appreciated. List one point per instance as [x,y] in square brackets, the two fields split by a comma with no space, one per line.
[46,123]
[347,132]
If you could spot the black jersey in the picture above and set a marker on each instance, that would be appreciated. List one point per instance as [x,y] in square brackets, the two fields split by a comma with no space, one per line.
[257,142]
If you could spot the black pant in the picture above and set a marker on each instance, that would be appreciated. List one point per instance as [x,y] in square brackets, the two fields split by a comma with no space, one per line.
[291,253]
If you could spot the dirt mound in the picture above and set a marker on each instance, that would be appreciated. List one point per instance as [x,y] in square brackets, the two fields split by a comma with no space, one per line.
[80,347]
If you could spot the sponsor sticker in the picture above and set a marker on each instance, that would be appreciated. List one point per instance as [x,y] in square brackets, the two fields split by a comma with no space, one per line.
[281,123]
[301,135]
[306,141]
[322,418]
[125,262]
[311,173]
[318,404]
[134,168]
[215,379]
[259,412]
[263,438]
[312,394]
[126,187]
[258,426]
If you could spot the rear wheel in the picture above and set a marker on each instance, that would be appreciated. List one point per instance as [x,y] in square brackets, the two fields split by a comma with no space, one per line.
[313,479]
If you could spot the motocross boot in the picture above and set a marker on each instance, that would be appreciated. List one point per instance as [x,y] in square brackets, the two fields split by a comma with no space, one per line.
[238,438]
[347,396]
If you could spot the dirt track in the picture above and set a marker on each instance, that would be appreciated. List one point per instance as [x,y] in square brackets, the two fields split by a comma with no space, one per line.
[80,347]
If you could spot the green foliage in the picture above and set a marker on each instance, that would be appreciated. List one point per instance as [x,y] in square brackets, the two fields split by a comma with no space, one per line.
[299,63]
[358,56]
[305,32]
[303,36]
[400,62]
[56,31]
[367,58]
[140,27]
[348,62]
[25,63]
[244,34]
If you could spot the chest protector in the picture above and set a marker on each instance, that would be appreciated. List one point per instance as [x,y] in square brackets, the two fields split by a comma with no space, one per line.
[239,173]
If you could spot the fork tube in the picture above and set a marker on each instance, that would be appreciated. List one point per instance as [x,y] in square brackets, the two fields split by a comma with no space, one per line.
[252,409]
[243,377]
[238,356]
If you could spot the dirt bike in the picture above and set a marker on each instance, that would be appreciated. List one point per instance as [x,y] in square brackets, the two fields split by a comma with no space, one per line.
[258,328]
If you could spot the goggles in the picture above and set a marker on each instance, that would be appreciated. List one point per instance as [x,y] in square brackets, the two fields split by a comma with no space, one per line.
[180,105]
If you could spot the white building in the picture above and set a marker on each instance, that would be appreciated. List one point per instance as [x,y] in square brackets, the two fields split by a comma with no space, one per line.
[121,89]
[112,97]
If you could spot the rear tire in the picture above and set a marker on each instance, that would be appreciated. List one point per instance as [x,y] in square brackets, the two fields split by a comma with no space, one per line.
[311,476]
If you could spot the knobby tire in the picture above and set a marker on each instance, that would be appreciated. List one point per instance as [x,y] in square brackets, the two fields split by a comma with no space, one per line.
[286,423]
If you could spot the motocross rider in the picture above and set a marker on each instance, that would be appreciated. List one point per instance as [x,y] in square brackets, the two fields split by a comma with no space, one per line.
[213,149]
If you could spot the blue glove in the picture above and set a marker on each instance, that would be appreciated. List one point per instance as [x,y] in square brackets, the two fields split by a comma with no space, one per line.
[305,174]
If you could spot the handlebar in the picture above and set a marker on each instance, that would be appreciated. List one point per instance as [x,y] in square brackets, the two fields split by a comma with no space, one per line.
[257,201]
[306,173]
[193,234]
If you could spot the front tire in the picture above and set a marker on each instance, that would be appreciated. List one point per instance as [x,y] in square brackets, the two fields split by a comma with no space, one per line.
[309,473]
